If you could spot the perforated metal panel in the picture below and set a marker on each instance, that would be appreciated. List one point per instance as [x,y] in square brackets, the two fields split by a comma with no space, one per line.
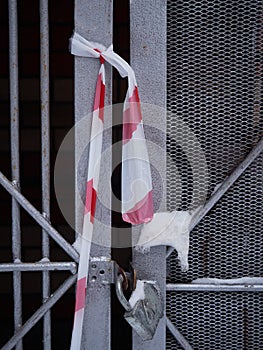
[228,241]
[214,79]
[231,321]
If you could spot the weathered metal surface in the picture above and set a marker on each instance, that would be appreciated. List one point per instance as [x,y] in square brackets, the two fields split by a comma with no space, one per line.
[14,142]
[180,287]
[224,187]
[38,217]
[148,59]
[93,20]
[214,80]
[39,266]
[178,336]
[40,313]
[45,156]
[102,270]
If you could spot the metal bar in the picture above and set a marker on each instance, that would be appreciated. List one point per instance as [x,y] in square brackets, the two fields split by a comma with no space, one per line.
[98,303]
[40,313]
[178,336]
[228,182]
[149,17]
[45,157]
[39,266]
[180,287]
[38,217]
[14,125]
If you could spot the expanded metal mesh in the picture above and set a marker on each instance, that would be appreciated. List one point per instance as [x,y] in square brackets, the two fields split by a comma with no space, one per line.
[228,241]
[214,78]
[220,321]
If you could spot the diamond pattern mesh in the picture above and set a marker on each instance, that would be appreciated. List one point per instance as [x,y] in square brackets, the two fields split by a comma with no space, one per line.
[221,321]
[214,78]
[228,242]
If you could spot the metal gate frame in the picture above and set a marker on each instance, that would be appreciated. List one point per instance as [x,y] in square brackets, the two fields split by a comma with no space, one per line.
[219,287]
[98,306]
[146,36]
[143,51]
[13,188]
[148,59]
[86,23]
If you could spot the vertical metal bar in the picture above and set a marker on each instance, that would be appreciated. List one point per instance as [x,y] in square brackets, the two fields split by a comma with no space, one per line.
[93,20]
[148,59]
[14,124]
[45,157]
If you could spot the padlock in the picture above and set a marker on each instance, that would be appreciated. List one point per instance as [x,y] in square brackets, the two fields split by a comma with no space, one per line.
[146,313]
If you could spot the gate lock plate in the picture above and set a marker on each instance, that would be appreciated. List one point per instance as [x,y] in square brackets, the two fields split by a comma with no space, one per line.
[147,311]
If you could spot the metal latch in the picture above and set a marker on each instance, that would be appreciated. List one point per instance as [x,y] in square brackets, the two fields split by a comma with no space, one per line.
[146,313]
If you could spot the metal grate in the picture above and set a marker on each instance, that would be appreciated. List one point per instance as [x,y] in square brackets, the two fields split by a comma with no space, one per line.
[27,275]
[220,321]
[213,84]
[214,77]
[226,243]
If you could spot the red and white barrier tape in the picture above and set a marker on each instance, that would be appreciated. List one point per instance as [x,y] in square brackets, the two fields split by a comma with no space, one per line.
[137,203]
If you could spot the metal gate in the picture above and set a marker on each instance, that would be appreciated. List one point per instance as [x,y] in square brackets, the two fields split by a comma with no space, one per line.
[45,265]
[203,61]
[214,83]
[85,12]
